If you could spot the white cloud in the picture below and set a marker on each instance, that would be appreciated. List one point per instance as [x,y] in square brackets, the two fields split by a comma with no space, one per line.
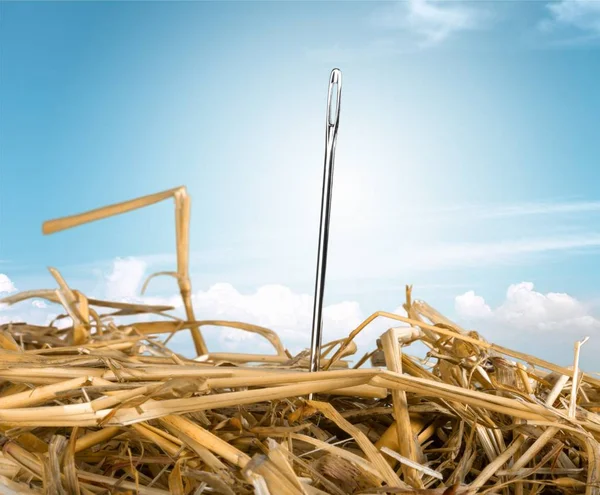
[10,319]
[432,21]
[7,314]
[279,308]
[6,284]
[470,305]
[526,309]
[517,322]
[34,313]
[544,325]
[125,279]
[583,15]
[273,306]
[62,323]
[276,307]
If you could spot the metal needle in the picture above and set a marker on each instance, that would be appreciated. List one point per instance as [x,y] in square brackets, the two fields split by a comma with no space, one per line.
[331,128]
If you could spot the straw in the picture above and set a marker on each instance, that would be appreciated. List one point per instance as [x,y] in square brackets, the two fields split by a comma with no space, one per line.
[105,407]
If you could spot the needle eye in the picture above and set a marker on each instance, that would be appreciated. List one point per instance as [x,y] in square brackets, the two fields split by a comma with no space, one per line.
[334,96]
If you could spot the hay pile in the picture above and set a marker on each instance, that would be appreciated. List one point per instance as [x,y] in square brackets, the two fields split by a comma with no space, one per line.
[106,408]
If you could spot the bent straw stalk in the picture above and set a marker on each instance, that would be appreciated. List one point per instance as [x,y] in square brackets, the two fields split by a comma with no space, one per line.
[182,229]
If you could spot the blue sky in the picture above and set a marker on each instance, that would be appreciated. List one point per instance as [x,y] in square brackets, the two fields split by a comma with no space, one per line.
[466,158]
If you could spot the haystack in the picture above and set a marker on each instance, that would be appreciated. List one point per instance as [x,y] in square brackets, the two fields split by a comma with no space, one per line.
[101,407]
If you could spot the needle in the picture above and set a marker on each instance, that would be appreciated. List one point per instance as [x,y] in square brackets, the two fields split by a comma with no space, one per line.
[331,128]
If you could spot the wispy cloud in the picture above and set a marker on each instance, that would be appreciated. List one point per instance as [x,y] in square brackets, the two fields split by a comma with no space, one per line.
[382,263]
[560,212]
[465,237]
[413,260]
[451,255]
[432,21]
[526,209]
[406,26]
[577,20]
[469,212]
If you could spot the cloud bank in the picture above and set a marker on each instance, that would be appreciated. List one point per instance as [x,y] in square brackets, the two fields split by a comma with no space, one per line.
[541,324]
[273,306]
[526,309]
[545,325]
